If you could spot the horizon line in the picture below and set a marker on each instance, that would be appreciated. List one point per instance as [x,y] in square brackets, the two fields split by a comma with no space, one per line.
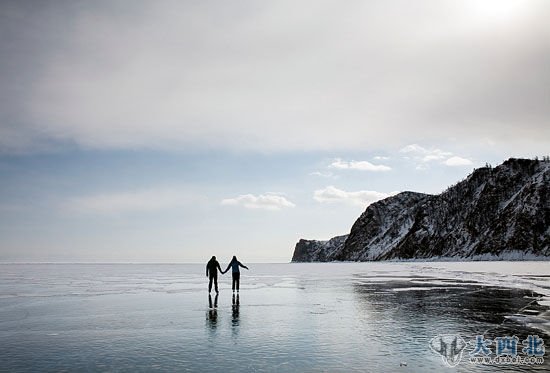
[37,262]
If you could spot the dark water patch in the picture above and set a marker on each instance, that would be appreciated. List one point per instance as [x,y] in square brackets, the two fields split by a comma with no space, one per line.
[415,312]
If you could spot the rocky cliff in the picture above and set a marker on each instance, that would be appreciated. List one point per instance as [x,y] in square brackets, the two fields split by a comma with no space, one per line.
[317,251]
[501,212]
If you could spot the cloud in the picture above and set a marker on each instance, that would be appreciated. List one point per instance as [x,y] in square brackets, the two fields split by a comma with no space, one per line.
[423,156]
[363,198]
[270,76]
[268,201]
[358,165]
[381,158]
[322,174]
[458,161]
[133,201]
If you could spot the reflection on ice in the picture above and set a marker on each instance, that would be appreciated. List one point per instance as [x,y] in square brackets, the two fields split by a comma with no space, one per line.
[212,314]
[235,309]
[339,317]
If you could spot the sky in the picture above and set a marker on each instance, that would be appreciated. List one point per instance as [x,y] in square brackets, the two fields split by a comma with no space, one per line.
[171,131]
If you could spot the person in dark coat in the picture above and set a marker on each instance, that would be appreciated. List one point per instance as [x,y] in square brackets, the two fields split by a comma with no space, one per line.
[212,268]
[236,273]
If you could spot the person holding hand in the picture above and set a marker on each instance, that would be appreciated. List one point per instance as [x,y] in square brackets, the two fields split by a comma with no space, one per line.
[234,265]
[212,268]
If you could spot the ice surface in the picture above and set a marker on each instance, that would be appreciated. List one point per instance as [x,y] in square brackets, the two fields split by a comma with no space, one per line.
[339,317]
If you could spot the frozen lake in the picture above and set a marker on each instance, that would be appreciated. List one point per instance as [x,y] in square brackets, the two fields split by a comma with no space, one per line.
[374,317]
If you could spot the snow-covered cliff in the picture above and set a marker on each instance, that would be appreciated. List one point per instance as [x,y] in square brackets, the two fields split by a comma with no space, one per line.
[501,212]
[317,251]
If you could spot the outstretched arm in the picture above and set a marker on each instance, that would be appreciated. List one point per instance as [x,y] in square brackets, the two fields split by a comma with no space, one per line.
[227,269]
[242,265]
[220,268]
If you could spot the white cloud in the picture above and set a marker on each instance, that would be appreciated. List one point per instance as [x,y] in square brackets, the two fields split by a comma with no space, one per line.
[362,198]
[423,156]
[322,174]
[133,201]
[270,201]
[458,161]
[358,165]
[381,158]
[413,148]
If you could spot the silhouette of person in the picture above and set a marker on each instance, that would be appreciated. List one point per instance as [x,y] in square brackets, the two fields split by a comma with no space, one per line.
[212,273]
[236,273]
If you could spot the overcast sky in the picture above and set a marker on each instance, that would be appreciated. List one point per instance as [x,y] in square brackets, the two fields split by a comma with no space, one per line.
[170,131]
